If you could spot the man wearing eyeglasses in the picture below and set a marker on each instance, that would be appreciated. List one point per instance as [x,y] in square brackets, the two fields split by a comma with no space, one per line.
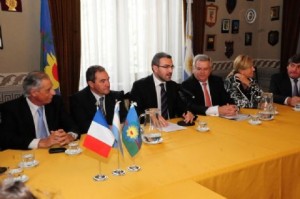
[286,86]
[159,91]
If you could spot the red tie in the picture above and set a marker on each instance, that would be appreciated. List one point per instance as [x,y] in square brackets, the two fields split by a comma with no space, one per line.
[206,95]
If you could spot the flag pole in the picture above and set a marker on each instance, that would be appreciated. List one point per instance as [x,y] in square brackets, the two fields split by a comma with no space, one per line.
[134,167]
[118,171]
[100,176]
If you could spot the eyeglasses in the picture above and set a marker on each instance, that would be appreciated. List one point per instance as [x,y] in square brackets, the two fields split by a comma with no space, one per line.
[167,66]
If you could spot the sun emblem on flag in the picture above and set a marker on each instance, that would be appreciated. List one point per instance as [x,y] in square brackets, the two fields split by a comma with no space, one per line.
[132,132]
[51,70]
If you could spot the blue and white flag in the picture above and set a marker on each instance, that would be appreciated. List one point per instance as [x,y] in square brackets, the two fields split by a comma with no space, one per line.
[116,128]
[188,49]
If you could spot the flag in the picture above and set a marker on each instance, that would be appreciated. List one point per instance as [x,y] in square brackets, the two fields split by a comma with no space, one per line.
[116,128]
[131,132]
[99,137]
[48,56]
[188,50]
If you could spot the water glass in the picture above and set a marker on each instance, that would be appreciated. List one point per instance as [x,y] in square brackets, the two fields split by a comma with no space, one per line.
[202,126]
[73,147]
[28,159]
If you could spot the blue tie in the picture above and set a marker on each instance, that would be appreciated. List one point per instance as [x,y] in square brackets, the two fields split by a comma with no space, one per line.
[42,131]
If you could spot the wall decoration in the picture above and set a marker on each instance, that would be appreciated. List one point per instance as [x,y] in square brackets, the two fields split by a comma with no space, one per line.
[230,5]
[274,13]
[210,42]
[273,37]
[1,41]
[11,5]
[248,38]
[235,26]
[250,15]
[225,26]
[211,15]
[229,48]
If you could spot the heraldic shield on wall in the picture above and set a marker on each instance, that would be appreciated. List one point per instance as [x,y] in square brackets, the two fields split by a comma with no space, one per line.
[230,5]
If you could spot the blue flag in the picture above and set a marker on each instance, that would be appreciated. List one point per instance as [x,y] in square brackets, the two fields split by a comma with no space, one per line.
[48,55]
[131,132]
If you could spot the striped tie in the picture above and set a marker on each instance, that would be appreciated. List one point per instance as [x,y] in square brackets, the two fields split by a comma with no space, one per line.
[164,101]
[101,105]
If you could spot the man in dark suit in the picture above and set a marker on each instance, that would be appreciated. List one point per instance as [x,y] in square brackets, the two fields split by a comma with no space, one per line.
[209,95]
[84,104]
[37,119]
[147,92]
[286,86]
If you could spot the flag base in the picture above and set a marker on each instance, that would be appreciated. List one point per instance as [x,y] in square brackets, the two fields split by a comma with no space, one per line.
[118,172]
[100,177]
[134,168]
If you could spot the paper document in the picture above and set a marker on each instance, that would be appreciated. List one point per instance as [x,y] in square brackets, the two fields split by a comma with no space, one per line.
[172,127]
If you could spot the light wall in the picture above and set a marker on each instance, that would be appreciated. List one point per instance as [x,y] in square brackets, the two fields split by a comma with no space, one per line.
[21,34]
[260,49]
[21,38]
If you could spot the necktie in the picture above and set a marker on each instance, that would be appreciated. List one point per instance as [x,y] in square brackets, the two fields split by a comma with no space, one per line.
[42,131]
[206,95]
[164,101]
[296,91]
[101,105]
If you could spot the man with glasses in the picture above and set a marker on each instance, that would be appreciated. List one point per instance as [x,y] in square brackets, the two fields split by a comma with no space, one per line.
[286,86]
[159,91]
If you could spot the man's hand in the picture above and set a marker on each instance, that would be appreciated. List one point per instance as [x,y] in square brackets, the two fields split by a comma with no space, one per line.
[58,137]
[228,110]
[188,117]
[292,101]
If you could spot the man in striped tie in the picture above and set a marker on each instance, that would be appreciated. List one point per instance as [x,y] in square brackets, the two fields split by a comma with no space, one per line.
[159,91]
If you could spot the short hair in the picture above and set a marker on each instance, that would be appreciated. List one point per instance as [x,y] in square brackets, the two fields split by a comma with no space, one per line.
[201,57]
[91,71]
[15,190]
[242,62]
[158,56]
[294,59]
[33,81]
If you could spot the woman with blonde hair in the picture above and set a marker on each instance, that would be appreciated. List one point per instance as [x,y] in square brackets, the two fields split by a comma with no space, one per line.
[240,84]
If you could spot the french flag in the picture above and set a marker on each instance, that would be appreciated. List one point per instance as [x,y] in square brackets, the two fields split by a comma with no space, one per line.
[99,137]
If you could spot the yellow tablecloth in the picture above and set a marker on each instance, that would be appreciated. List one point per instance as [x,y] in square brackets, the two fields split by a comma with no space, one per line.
[233,160]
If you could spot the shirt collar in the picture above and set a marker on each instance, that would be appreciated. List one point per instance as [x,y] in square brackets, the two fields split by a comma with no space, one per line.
[157,82]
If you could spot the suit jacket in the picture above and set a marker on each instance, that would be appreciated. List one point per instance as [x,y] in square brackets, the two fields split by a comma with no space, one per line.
[281,87]
[217,91]
[17,127]
[83,107]
[143,92]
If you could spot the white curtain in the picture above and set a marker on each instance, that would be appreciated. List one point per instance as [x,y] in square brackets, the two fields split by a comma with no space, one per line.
[124,35]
